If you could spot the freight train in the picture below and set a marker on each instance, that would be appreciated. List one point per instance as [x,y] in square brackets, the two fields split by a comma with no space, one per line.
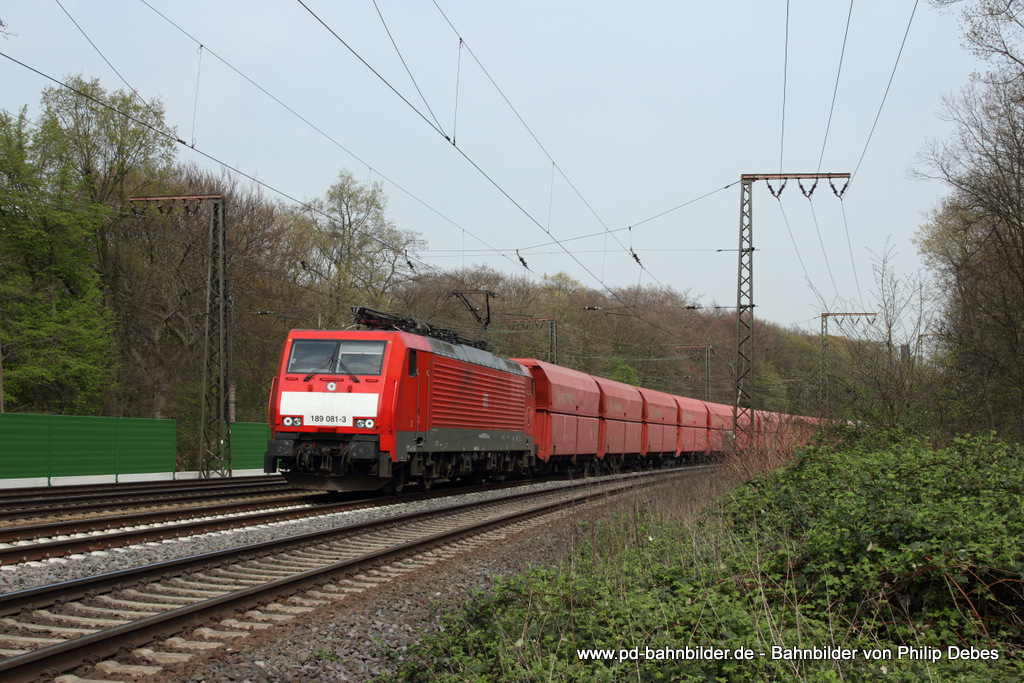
[402,402]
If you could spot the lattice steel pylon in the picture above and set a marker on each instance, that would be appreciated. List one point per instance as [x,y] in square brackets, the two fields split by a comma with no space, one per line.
[215,419]
[825,407]
[552,325]
[743,403]
[215,414]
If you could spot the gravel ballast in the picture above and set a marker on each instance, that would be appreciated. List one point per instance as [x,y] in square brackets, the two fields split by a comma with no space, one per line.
[33,574]
[368,634]
[356,638]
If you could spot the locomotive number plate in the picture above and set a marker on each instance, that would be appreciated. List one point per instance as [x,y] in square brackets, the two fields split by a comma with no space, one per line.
[328,410]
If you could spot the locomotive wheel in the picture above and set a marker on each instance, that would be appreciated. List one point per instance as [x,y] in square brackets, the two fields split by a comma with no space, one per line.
[397,483]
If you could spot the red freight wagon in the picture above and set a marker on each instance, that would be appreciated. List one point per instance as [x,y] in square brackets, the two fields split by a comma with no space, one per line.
[622,410]
[693,422]
[781,431]
[719,427]
[661,423]
[568,406]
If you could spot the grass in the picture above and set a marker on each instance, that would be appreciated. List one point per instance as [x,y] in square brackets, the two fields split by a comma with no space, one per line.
[865,548]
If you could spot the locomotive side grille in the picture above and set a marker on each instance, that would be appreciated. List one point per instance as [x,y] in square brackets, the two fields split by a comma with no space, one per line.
[472,397]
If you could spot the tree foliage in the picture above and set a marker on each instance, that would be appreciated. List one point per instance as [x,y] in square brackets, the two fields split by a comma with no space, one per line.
[974,241]
[354,252]
[54,329]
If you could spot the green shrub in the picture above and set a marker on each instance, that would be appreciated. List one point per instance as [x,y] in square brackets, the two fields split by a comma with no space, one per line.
[863,549]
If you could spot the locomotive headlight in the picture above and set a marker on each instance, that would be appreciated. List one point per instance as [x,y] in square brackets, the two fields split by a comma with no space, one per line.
[364,423]
[287,422]
[292,421]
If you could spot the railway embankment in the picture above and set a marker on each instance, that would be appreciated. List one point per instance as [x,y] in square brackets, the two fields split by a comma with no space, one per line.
[872,559]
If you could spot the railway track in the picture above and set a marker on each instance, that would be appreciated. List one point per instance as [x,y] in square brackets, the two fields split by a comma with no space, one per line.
[36,542]
[18,505]
[58,627]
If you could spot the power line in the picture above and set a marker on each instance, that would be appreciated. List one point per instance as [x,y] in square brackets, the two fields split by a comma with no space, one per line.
[135,92]
[241,173]
[407,70]
[197,150]
[462,43]
[365,63]
[785,81]
[835,90]
[319,130]
[886,94]
[566,240]
[821,157]
[461,152]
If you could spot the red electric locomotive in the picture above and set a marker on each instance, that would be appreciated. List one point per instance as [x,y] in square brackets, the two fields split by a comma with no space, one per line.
[361,410]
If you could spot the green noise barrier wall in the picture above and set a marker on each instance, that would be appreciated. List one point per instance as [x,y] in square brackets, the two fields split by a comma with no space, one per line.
[76,446]
[48,446]
[248,444]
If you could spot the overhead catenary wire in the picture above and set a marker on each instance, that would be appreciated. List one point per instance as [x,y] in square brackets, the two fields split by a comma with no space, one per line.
[554,166]
[406,65]
[438,129]
[540,145]
[835,90]
[871,133]
[885,95]
[323,133]
[628,228]
[104,58]
[824,252]
[472,162]
[195,108]
[202,47]
[799,258]
[179,141]
[821,157]
[557,226]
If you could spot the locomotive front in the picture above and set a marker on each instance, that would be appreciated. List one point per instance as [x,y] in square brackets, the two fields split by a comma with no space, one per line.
[328,410]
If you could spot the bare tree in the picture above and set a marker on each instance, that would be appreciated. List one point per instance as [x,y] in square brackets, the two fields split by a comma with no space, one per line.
[354,253]
[883,378]
[975,240]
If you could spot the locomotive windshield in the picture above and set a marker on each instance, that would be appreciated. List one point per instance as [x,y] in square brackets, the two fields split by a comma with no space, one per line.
[332,356]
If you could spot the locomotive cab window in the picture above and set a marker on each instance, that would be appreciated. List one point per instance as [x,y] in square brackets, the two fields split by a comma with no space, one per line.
[361,357]
[329,356]
[311,355]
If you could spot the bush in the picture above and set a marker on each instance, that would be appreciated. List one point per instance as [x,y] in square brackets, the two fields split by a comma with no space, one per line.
[859,549]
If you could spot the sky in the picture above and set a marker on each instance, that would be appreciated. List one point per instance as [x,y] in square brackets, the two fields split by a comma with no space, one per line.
[600,139]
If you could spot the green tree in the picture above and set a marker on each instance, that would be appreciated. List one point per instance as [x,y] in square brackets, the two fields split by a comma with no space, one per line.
[54,327]
[110,146]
